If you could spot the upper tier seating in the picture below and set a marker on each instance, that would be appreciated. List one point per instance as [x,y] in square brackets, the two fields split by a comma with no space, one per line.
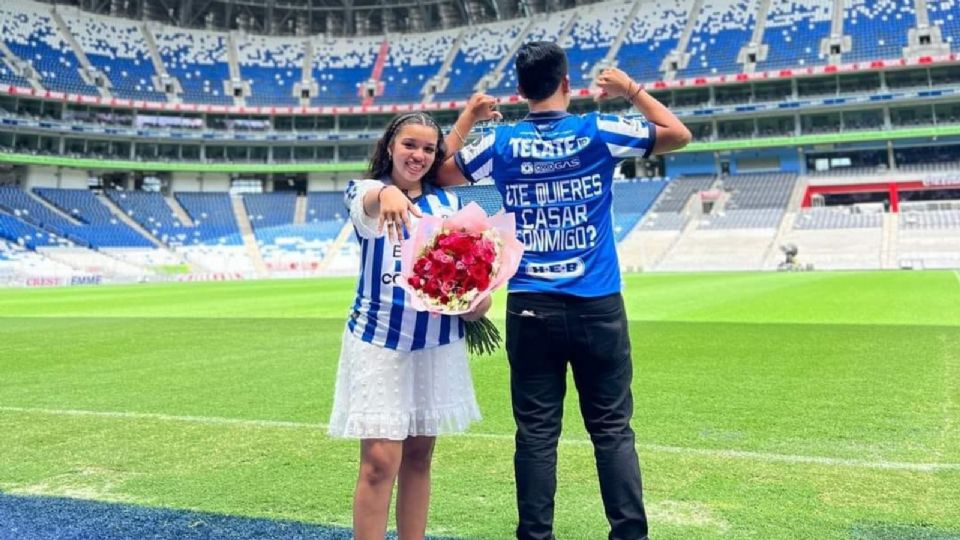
[271,66]
[654,32]
[593,33]
[481,49]
[793,33]
[117,48]
[946,15]
[412,61]
[199,61]
[878,28]
[28,29]
[544,29]
[341,66]
[722,29]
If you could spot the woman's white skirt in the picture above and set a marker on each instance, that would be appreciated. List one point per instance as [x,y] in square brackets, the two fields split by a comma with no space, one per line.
[386,394]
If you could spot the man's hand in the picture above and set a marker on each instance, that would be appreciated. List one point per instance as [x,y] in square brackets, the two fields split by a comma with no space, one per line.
[615,83]
[480,108]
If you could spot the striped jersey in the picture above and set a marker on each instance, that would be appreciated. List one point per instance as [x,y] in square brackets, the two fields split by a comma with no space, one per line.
[554,171]
[382,314]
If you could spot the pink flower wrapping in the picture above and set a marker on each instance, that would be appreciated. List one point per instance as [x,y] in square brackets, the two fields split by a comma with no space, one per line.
[443,256]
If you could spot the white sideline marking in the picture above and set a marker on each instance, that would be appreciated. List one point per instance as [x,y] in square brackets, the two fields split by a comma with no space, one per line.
[956,274]
[706,452]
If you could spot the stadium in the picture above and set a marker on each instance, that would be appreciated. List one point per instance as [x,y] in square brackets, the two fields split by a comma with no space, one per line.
[177,263]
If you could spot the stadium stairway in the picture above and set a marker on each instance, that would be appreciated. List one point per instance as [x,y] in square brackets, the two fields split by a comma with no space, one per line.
[756,40]
[439,81]
[233,66]
[771,258]
[122,216]
[249,239]
[377,71]
[78,51]
[611,57]
[492,79]
[161,75]
[888,245]
[678,55]
[300,211]
[334,250]
[12,58]
[178,210]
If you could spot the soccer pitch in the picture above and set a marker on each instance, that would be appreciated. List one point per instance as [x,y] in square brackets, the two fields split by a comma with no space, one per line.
[768,406]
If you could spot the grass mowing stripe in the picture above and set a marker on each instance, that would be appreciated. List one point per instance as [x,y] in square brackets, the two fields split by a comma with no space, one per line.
[706,452]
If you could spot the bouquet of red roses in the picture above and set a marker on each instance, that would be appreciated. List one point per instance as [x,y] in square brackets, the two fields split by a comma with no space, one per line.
[450,265]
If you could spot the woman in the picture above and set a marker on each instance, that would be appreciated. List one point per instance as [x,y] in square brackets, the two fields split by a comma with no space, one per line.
[403,376]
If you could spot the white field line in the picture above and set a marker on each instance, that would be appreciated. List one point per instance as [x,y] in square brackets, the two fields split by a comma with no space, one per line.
[956,274]
[718,453]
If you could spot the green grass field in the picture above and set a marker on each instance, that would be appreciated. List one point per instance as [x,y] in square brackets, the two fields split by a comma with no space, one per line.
[768,406]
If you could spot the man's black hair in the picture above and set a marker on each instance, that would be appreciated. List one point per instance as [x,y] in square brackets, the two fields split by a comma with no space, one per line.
[541,66]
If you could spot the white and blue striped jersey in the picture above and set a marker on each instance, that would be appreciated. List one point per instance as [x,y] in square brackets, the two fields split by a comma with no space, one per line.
[554,171]
[382,314]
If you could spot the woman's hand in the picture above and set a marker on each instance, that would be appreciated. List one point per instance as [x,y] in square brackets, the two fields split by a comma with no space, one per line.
[478,312]
[395,210]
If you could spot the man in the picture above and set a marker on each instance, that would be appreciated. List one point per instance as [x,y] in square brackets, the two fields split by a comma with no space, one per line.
[555,173]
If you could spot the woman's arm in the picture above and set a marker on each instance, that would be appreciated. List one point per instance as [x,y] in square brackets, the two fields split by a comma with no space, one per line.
[479,108]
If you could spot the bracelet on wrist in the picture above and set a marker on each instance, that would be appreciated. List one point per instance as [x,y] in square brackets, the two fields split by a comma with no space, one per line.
[456,131]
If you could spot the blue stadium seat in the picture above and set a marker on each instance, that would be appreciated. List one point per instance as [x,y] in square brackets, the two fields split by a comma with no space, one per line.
[878,28]
[721,31]
[199,61]
[212,215]
[118,49]
[793,33]
[272,66]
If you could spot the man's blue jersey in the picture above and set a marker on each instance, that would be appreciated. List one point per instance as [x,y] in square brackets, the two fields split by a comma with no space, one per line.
[554,171]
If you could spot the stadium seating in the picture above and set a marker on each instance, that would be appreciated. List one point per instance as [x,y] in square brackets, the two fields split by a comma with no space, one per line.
[722,29]
[24,234]
[752,191]
[341,66]
[28,29]
[212,215]
[546,29]
[836,218]
[678,192]
[270,209]
[412,61]
[486,195]
[946,15]
[793,33]
[118,49]
[930,220]
[480,51]
[654,32]
[199,62]
[100,228]
[8,75]
[593,33]
[878,28]
[325,206]
[151,211]
[631,200]
[272,67]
